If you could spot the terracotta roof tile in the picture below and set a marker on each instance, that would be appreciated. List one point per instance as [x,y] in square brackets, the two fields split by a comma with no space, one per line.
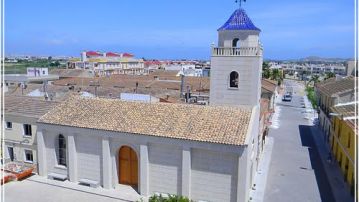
[268,86]
[345,110]
[27,106]
[333,87]
[224,125]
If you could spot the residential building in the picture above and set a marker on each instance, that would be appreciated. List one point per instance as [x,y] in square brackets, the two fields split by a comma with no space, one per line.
[103,64]
[331,92]
[207,153]
[269,92]
[350,68]
[21,114]
[267,103]
[37,71]
[314,68]
[342,140]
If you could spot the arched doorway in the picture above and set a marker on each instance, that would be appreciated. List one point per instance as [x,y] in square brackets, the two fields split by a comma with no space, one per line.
[235,43]
[128,167]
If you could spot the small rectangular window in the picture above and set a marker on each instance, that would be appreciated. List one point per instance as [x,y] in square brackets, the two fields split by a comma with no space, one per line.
[28,156]
[8,125]
[27,130]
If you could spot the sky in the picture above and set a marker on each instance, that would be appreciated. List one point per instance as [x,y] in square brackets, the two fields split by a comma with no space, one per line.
[163,29]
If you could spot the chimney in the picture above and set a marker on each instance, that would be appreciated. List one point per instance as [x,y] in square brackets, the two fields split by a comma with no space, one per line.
[182,85]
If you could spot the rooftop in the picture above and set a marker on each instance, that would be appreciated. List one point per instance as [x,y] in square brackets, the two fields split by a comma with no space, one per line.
[268,86]
[27,106]
[347,113]
[332,87]
[223,125]
[345,110]
[239,20]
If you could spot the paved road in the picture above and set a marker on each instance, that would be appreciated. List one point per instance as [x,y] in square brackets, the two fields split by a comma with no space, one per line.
[295,173]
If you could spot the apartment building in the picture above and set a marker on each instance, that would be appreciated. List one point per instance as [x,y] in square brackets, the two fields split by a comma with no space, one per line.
[20,116]
[315,68]
[107,63]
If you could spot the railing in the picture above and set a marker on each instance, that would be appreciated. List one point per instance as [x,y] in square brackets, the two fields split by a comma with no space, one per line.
[247,51]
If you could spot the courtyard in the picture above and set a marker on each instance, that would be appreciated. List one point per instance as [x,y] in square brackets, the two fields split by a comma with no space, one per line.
[36,188]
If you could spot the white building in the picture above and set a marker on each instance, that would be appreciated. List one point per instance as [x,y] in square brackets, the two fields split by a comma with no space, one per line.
[37,71]
[21,114]
[102,64]
[316,68]
[208,153]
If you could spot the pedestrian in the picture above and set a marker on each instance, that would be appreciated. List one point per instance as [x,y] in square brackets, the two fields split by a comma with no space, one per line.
[330,158]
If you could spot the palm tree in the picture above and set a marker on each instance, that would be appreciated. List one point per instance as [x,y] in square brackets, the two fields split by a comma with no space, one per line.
[266,73]
[314,79]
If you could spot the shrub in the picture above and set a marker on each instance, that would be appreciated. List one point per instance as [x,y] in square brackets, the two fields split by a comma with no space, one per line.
[170,198]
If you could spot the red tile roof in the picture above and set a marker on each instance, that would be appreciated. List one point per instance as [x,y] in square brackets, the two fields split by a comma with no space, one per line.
[111,54]
[92,53]
[154,62]
[127,55]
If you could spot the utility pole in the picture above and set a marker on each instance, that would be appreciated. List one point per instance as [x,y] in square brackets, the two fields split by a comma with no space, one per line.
[182,85]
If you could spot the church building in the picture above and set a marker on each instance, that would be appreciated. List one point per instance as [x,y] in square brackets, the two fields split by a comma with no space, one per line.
[207,153]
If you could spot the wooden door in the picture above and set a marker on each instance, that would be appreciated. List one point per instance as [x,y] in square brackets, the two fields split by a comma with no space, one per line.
[128,172]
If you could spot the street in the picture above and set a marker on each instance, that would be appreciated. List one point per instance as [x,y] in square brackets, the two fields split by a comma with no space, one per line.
[296,172]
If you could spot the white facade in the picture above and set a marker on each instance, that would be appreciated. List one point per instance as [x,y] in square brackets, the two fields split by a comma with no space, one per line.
[20,139]
[37,71]
[245,60]
[138,97]
[199,170]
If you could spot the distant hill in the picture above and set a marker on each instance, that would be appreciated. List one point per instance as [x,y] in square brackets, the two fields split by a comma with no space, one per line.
[320,59]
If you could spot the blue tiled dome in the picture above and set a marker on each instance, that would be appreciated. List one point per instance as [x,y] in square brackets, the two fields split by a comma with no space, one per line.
[239,20]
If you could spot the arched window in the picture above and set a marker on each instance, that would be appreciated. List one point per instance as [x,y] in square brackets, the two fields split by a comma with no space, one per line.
[62,150]
[233,79]
[235,43]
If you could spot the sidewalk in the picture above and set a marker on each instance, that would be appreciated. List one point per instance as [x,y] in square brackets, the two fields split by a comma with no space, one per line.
[335,177]
[339,188]
[260,178]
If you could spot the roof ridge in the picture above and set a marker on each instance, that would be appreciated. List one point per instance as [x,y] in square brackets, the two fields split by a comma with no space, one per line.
[179,121]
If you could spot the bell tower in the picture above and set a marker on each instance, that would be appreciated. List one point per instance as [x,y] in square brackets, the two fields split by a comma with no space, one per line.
[236,63]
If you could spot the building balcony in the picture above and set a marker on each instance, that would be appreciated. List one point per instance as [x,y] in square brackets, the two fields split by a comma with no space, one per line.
[230,51]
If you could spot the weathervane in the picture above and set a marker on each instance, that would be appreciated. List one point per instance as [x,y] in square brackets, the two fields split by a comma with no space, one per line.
[240,2]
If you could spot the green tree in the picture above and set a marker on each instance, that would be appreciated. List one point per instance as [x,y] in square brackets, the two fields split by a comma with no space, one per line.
[266,73]
[314,79]
[329,75]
